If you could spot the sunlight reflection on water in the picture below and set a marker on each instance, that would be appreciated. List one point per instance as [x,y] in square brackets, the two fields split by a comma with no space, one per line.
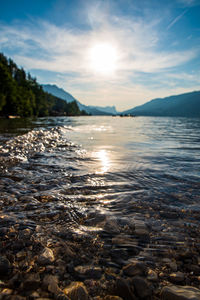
[103,157]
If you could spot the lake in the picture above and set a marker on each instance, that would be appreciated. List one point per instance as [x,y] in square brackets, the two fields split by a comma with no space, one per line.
[131,183]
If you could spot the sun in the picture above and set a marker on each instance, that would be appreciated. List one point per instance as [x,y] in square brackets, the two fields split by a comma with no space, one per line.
[103,58]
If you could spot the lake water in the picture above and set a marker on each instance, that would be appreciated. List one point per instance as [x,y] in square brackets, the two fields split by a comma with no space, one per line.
[111,175]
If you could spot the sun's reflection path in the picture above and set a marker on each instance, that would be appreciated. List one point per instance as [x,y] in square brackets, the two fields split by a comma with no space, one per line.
[103,157]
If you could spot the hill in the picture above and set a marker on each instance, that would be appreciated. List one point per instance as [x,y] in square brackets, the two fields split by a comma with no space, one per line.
[21,95]
[93,110]
[184,105]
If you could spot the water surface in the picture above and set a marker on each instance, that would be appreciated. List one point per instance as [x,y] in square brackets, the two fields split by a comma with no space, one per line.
[140,175]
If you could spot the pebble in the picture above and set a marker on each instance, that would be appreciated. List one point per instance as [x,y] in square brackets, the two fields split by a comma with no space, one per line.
[142,287]
[180,293]
[152,275]
[173,266]
[5,267]
[31,282]
[76,291]
[50,282]
[108,297]
[111,226]
[88,272]
[135,268]
[47,257]
[125,289]
[177,277]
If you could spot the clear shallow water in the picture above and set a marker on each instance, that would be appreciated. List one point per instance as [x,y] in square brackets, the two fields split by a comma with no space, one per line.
[137,179]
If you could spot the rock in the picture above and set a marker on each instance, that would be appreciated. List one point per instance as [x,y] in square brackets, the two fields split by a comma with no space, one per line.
[123,239]
[141,228]
[177,277]
[35,295]
[21,255]
[112,298]
[173,266]
[152,275]
[76,291]
[6,292]
[47,257]
[111,226]
[62,297]
[88,272]
[142,287]
[31,282]
[51,284]
[5,267]
[135,268]
[124,289]
[180,293]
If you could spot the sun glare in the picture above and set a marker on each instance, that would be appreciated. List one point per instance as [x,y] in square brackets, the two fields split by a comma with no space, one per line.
[103,58]
[102,156]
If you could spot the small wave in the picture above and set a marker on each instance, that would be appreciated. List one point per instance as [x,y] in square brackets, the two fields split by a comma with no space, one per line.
[20,148]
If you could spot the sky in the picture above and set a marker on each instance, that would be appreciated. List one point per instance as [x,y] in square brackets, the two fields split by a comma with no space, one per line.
[120,52]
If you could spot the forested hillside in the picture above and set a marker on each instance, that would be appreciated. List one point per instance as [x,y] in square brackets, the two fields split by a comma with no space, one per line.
[21,95]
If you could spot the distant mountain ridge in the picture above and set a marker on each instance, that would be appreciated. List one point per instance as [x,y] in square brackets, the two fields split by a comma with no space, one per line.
[94,110]
[183,105]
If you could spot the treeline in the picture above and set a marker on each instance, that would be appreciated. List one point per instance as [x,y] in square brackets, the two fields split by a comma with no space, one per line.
[21,95]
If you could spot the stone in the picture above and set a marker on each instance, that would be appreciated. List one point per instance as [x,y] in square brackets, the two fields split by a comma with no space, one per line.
[108,297]
[51,284]
[180,293]
[5,267]
[88,272]
[6,291]
[124,240]
[142,287]
[62,297]
[177,277]
[135,268]
[35,295]
[152,275]
[141,228]
[47,257]
[173,266]
[124,289]
[76,291]
[31,282]
[111,226]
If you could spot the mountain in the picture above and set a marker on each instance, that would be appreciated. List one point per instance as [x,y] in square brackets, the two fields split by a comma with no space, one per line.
[184,105]
[94,110]
[22,96]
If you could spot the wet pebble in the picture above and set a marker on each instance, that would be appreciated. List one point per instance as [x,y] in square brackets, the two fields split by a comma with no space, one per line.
[135,268]
[76,291]
[31,282]
[83,272]
[142,287]
[5,267]
[180,293]
[177,277]
[46,257]
[125,289]
[141,228]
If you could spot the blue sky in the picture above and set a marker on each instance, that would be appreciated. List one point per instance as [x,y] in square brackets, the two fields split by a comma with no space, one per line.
[152,47]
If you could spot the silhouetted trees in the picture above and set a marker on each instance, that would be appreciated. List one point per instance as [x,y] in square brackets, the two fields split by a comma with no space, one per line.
[21,95]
